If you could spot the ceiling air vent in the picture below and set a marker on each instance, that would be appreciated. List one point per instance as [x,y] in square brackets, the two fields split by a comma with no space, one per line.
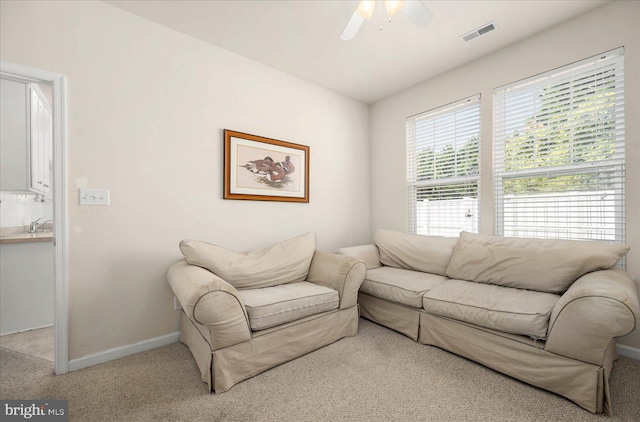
[477,32]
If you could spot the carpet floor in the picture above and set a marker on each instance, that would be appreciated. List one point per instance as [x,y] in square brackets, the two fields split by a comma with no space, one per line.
[379,375]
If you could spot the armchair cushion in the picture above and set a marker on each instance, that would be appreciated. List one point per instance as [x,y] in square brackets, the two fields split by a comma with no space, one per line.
[286,262]
[271,306]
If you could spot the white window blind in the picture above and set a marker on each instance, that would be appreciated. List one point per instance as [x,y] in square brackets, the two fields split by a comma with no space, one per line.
[443,169]
[559,153]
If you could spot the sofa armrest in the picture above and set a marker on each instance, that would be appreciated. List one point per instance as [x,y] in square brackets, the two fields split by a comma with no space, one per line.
[368,254]
[210,301]
[598,307]
[339,272]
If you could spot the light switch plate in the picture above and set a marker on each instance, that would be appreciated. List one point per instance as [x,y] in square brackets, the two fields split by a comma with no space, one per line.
[93,196]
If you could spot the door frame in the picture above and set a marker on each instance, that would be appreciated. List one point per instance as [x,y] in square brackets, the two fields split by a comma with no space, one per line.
[59,106]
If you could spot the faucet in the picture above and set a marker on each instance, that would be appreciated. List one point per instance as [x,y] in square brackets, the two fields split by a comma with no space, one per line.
[33,227]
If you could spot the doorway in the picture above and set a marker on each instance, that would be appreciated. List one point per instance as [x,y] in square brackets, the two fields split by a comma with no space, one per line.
[57,82]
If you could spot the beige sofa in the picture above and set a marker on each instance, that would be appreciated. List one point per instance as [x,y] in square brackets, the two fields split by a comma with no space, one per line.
[543,311]
[244,313]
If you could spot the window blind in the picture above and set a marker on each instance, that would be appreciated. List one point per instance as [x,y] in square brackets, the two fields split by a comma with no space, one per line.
[559,156]
[443,169]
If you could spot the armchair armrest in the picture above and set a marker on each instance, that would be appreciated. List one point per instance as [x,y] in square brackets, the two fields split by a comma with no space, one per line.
[368,254]
[339,272]
[597,307]
[210,301]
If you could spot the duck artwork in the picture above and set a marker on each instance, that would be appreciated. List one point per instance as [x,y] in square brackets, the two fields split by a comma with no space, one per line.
[273,173]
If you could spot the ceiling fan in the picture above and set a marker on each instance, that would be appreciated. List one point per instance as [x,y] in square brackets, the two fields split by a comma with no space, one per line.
[415,10]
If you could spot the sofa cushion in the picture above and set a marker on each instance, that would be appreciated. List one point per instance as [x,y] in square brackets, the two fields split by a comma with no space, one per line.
[500,308]
[429,254]
[286,262]
[399,285]
[271,306]
[545,265]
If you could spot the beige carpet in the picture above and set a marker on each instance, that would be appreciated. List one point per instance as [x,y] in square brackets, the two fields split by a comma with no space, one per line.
[377,376]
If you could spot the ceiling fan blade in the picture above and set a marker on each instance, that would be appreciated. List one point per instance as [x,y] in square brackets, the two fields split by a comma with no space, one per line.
[417,12]
[352,27]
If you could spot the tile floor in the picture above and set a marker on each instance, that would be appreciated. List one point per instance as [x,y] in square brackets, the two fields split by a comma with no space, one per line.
[38,343]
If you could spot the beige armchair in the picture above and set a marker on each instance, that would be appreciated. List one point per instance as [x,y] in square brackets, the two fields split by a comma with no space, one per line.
[269,317]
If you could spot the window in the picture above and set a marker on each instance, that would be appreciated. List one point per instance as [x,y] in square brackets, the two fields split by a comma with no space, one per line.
[443,169]
[559,153]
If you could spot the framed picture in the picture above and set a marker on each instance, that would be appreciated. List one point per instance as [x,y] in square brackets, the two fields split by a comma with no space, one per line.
[263,169]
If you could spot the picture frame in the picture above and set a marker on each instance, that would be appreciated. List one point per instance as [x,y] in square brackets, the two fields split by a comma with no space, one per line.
[264,169]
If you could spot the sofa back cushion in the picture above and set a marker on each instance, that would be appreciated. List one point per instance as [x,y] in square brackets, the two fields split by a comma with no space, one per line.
[544,265]
[429,254]
[286,262]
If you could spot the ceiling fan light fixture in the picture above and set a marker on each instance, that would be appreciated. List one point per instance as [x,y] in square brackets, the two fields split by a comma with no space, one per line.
[366,8]
[393,6]
[415,10]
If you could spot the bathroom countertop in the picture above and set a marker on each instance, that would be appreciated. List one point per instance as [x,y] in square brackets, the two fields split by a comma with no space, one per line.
[18,235]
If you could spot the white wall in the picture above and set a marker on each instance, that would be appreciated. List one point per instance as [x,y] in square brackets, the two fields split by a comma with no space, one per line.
[613,25]
[147,106]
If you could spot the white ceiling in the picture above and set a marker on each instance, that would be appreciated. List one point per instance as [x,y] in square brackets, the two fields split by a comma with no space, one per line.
[302,38]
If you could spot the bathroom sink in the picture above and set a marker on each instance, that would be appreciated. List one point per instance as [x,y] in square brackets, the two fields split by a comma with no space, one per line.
[39,236]
[44,231]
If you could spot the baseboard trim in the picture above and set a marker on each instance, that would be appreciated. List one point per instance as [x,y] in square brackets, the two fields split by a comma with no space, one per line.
[120,352]
[628,351]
